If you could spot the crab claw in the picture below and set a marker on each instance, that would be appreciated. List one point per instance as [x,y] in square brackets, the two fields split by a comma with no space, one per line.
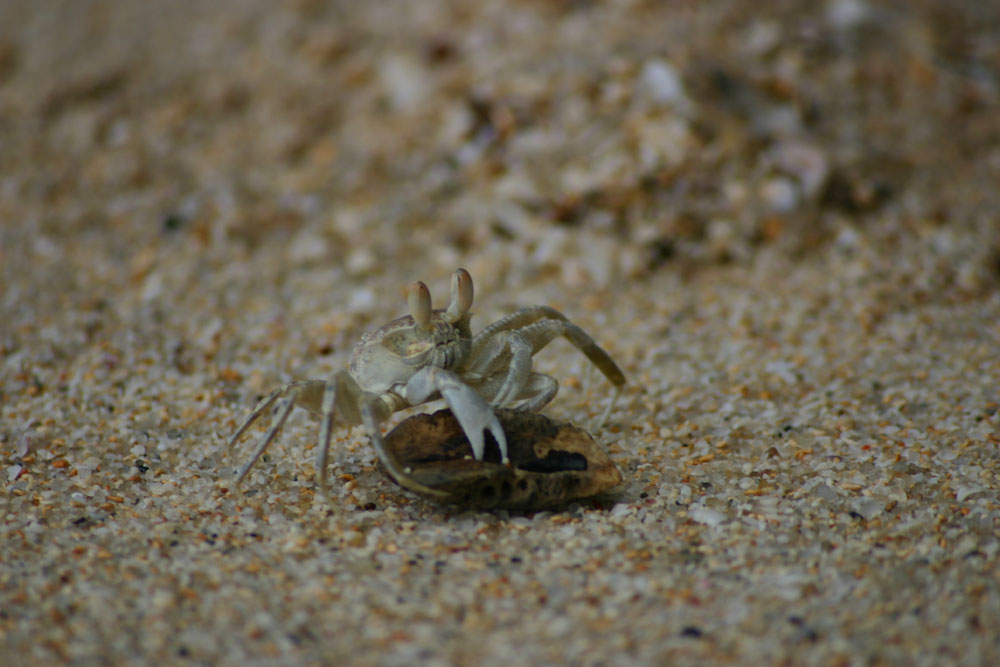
[474,414]
[419,300]
[476,417]
[461,295]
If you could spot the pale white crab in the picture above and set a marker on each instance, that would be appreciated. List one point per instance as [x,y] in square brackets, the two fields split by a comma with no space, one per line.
[431,354]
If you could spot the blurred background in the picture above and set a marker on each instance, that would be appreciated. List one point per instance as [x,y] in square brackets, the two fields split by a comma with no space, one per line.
[589,143]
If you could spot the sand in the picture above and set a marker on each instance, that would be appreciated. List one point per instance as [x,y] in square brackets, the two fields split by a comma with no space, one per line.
[781,219]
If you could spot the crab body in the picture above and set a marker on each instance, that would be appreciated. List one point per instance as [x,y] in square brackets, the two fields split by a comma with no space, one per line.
[386,358]
[431,354]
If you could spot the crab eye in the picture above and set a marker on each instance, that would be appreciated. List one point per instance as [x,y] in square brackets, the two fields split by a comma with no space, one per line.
[420,305]
[461,295]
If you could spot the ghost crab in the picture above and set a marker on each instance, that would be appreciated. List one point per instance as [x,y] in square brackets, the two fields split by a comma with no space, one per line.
[431,354]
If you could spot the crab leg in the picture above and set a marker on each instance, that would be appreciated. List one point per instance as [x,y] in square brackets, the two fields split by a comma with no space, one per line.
[284,409]
[257,412]
[535,322]
[541,333]
[296,392]
[522,343]
[515,320]
[343,397]
[518,370]
[538,392]
[325,431]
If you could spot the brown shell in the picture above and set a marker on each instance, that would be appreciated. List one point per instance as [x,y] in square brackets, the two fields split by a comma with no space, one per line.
[551,462]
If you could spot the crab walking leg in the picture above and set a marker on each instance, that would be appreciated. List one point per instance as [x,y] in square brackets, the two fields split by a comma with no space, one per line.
[611,406]
[262,406]
[515,320]
[325,432]
[339,397]
[284,409]
[342,396]
[295,392]
[524,343]
[534,322]
[541,333]
[474,414]
[518,370]
[538,392]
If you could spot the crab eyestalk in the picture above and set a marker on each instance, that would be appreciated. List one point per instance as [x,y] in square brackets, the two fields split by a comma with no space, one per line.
[461,295]
[420,305]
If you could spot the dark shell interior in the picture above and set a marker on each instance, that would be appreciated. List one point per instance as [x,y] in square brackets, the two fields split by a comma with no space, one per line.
[551,462]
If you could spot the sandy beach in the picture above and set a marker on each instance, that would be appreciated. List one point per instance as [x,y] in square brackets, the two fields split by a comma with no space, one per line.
[781,219]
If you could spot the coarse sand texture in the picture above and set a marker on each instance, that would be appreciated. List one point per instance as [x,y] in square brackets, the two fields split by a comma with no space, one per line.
[781,219]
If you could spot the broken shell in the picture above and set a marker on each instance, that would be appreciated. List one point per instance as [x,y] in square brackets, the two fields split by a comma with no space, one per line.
[551,462]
